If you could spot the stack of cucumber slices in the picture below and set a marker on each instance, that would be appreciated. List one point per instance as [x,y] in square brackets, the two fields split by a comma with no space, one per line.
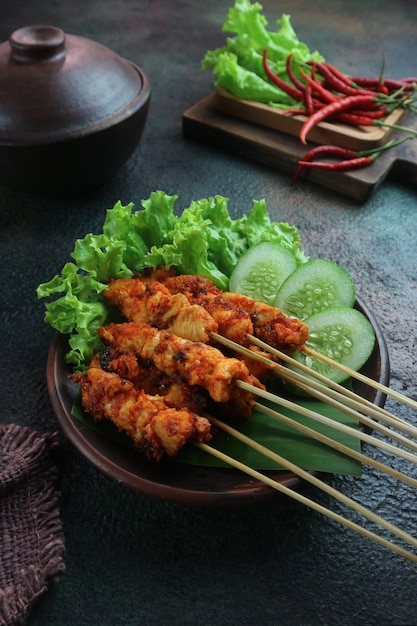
[318,292]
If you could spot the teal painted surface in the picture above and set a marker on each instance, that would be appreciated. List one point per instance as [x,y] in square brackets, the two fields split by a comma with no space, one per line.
[132,560]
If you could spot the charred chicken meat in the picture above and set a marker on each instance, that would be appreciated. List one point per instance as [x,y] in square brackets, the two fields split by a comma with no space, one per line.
[161,371]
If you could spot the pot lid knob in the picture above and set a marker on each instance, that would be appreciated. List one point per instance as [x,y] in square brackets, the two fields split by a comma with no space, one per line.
[37,43]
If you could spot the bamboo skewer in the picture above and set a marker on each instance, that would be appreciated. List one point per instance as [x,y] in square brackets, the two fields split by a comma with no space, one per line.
[344,403]
[320,418]
[308,384]
[314,480]
[336,395]
[365,379]
[340,447]
[307,501]
[348,397]
[333,398]
[288,404]
[337,400]
[378,412]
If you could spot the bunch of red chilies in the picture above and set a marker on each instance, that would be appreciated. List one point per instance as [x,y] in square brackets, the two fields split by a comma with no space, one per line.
[326,93]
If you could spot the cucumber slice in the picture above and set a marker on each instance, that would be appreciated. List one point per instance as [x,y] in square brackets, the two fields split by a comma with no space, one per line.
[261,270]
[343,334]
[313,287]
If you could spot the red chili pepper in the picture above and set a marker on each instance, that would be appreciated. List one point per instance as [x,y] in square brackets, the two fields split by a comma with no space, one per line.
[308,99]
[350,158]
[371,83]
[383,89]
[361,118]
[339,82]
[320,151]
[338,73]
[358,118]
[392,85]
[352,86]
[326,95]
[373,105]
[340,105]
[409,79]
[297,83]
[340,166]
[328,149]
[295,93]
[375,114]
[295,111]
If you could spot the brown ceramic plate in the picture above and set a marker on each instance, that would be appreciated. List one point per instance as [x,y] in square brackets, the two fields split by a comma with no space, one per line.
[173,481]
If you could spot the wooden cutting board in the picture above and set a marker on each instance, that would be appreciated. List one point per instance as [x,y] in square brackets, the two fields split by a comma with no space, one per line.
[352,137]
[205,122]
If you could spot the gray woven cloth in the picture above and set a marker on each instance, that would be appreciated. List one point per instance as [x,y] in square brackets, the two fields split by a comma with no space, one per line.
[31,536]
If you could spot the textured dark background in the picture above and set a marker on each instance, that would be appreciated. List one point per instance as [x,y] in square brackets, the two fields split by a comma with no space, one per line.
[131,559]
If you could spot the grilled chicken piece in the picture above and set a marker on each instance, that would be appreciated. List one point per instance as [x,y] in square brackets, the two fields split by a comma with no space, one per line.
[144,375]
[174,389]
[233,322]
[243,314]
[151,302]
[155,428]
[270,324]
[144,299]
[198,363]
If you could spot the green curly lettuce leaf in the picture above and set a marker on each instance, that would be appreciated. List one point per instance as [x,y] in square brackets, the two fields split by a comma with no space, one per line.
[203,239]
[237,66]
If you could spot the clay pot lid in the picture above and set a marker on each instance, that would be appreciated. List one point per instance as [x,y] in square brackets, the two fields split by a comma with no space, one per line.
[55,86]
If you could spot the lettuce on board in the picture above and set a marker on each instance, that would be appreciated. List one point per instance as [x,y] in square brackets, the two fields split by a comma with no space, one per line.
[203,239]
[237,66]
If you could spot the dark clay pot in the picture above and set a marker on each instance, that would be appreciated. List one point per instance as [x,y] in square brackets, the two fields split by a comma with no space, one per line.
[71,111]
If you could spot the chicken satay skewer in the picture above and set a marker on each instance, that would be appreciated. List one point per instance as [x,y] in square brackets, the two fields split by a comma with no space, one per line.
[202,291]
[108,396]
[127,292]
[267,322]
[155,428]
[198,363]
[151,302]
[307,502]
[204,365]
[193,308]
[121,365]
[314,480]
